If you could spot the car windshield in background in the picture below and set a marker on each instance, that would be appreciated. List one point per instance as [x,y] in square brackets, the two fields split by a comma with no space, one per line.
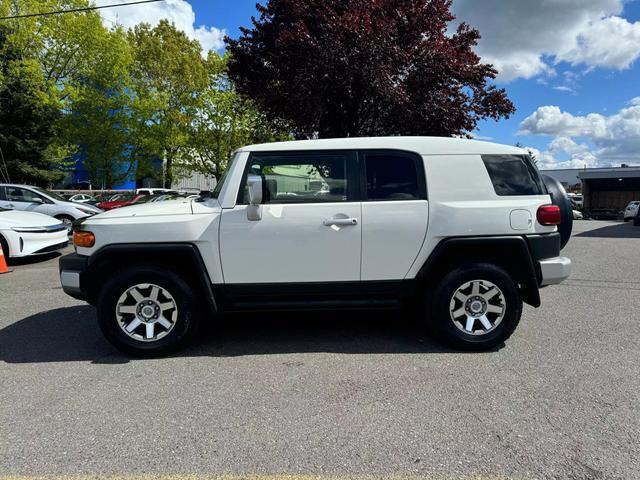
[514,175]
[55,196]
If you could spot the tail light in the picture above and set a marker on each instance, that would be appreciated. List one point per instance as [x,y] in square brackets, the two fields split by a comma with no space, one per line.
[549,215]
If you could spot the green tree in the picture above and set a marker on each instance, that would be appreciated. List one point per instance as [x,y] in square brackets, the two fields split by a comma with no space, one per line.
[168,78]
[81,71]
[28,121]
[224,122]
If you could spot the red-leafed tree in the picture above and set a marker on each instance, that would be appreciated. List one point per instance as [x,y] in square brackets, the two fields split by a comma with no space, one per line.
[366,67]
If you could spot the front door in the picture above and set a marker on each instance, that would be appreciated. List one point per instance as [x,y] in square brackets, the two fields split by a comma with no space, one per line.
[18,198]
[310,227]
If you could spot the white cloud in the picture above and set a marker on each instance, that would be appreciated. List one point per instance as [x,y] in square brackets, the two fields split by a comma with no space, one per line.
[564,88]
[634,101]
[179,12]
[616,137]
[526,38]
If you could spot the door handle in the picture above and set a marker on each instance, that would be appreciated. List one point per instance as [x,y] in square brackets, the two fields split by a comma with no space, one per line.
[340,221]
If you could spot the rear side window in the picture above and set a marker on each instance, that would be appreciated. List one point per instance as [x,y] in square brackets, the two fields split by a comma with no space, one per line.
[513,175]
[391,176]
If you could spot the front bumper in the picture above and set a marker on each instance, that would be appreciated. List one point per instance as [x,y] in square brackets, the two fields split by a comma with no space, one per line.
[72,268]
[555,270]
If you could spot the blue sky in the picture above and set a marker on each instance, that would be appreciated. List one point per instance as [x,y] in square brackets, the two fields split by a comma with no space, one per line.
[571,67]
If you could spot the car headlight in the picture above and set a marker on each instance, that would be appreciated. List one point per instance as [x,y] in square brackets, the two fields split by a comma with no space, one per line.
[86,210]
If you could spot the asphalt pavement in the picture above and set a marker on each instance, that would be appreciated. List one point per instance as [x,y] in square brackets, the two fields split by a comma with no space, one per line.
[332,395]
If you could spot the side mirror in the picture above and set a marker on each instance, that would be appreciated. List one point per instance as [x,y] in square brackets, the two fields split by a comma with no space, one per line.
[254,209]
[37,200]
[254,184]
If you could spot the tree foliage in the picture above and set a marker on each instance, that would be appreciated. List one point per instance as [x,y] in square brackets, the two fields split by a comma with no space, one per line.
[366,67]
[29,150]
[122,100]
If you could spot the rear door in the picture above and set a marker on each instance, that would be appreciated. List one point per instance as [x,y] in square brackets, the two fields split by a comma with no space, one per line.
[395,212]
[310,229]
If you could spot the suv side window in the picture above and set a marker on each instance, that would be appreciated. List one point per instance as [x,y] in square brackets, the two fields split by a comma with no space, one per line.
[514,175]
[16,194]
[393,176]
[302,177]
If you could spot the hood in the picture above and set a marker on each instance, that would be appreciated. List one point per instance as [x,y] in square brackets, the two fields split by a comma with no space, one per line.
[18,218]
[152,209]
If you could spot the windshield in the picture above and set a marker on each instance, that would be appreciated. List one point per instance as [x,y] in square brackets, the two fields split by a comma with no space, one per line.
[55,196]
[220,184]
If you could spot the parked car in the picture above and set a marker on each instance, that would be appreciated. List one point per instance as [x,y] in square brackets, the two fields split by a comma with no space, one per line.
[467,231]
[577,199]
[120,200]
[154,191]
[631,211]
[36,199]
[81,198]
[30,233]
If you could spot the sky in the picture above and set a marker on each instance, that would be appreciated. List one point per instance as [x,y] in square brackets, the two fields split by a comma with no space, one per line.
[571,67]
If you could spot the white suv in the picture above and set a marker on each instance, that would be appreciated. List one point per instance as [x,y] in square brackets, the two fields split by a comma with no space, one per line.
[466,230]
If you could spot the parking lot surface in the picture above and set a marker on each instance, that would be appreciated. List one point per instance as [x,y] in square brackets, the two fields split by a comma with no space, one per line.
[336,394]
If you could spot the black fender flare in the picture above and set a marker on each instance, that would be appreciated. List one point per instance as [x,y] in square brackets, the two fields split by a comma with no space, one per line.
[511,252]
[146,252]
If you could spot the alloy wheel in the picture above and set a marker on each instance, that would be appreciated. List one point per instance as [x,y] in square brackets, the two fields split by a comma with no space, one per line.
[146,312]
[477,307]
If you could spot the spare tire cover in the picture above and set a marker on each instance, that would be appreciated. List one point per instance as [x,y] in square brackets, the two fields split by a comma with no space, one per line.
[560,198]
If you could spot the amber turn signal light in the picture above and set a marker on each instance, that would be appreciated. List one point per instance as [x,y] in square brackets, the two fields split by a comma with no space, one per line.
[84,239]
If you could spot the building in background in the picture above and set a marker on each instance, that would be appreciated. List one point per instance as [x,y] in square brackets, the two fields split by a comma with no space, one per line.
[607,191]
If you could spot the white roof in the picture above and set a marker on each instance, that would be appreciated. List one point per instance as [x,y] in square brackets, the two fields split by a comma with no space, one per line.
[422,145]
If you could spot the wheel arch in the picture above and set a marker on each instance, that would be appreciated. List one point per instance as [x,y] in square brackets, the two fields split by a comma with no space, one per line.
[183,258]
[509,252]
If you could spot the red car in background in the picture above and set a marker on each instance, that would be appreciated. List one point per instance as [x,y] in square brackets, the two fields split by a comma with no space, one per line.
[121,200]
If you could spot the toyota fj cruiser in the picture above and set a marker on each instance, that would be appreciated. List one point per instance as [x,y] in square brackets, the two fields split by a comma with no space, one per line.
[465,230]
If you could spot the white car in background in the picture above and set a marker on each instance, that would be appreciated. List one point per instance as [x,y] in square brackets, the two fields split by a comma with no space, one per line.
[29,233]
[631,211]
[81,198]
[36,199]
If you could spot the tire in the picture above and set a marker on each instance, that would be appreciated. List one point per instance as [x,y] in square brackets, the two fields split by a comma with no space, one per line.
[180,322]
[636,222]
[560,198]
[67,220]
[442,308]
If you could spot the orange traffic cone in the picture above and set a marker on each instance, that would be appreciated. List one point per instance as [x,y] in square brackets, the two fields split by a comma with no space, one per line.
[3,263]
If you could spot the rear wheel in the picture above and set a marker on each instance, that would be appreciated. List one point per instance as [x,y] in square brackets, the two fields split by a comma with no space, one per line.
[476,307]
[147,311]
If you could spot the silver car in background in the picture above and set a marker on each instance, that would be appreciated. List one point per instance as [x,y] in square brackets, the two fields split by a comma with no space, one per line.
[36,199]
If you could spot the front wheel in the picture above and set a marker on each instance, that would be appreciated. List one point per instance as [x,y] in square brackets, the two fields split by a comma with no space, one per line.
[476,307]
[146,311]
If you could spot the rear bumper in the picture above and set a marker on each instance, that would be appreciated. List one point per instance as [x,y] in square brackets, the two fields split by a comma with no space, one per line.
[72,268]
[554,270]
